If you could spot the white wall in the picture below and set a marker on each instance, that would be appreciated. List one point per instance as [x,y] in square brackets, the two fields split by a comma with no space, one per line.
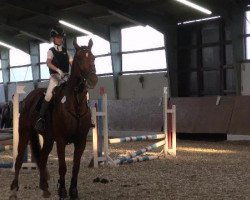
[245,81]
[131,88]
[107,83]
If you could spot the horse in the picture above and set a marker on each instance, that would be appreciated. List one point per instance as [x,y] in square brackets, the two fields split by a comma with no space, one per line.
[6,119]
[67,121]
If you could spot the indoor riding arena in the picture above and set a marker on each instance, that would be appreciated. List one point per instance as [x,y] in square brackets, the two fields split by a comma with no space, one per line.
[137,99]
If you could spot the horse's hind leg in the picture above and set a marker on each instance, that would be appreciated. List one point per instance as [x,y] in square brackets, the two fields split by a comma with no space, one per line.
[44,174]
[22,144]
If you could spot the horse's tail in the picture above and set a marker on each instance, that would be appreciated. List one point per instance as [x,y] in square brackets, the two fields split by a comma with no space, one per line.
[35,147]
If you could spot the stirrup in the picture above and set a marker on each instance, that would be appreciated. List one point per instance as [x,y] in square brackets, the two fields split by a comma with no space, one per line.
[40,124]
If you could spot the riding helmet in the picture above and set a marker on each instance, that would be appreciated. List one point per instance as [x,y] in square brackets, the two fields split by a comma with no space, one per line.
[57,31]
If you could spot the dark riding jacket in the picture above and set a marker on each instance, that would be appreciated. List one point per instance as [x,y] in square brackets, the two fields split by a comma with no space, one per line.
[60,59]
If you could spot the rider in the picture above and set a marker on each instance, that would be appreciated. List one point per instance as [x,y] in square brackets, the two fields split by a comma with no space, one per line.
[58,61]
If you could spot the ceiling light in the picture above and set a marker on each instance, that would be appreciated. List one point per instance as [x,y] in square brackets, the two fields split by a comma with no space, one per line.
[195,6]
[199,20]
[77,28]
[6,45]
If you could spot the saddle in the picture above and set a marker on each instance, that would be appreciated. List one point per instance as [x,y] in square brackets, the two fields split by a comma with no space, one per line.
[56,98]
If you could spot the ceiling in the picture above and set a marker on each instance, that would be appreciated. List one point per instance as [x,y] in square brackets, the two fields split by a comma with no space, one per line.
[24,20]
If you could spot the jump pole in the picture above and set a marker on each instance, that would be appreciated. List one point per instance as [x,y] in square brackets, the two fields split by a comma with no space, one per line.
[136,138]
[139,152]
[169,115]
[95,137]
[141,159]
[95,115]
[5,148]
[169,136]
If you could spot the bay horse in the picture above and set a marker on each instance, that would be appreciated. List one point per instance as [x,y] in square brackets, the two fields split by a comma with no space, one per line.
[67,121]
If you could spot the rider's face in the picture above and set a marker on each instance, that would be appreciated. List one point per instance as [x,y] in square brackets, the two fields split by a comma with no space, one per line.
[58,40]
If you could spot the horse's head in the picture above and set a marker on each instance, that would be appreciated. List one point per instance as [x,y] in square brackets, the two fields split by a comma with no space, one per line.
[83,59]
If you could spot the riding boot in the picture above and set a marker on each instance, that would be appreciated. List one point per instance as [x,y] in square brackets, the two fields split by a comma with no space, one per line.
[40,124]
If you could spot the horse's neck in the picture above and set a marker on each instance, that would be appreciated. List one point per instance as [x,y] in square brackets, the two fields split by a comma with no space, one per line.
[73,82]
[74,87]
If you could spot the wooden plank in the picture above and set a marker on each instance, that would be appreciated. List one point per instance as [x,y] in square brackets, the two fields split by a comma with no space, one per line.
[214,118]
[187,110]
[240,118]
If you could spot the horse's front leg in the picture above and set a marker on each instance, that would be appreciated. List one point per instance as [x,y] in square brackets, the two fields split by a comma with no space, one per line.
[79,149]
[44,174]
[62,192]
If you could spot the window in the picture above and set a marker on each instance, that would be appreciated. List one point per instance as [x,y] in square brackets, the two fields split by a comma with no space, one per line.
[18,57]
[142,38]
[101,48]
[144,61]
[44,47]
[247,31]
[103,65]
[1,76]
[44,71]
[21,74]
[1,72]
[139,37]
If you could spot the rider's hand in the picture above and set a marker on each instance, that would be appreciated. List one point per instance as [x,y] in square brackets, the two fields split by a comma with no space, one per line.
[60,72]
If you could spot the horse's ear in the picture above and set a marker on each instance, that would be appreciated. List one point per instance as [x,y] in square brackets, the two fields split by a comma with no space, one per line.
[90,43]
[75,44]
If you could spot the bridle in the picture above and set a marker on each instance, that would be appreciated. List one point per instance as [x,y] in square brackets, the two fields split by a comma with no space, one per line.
[80,60]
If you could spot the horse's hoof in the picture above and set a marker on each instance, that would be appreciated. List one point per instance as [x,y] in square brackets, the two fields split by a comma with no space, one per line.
[13,197]
[71,198]
[46,194]
[62,192]
[73,193]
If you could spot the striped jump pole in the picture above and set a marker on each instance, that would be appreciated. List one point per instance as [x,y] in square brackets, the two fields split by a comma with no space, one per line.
[6,137]
[6,130]
[6,165]
[141,159]
[136,138]
[139,152]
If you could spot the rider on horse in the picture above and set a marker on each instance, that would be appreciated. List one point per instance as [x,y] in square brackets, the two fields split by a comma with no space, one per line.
[58,61]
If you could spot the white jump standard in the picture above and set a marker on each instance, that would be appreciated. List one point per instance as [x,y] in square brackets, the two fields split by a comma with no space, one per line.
[15,136]
[169,137]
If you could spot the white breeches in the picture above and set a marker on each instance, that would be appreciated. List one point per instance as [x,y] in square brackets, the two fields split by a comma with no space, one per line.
[53,82]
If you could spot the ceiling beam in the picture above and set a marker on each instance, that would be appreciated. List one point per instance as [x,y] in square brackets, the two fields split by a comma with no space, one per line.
[39,8]
[219,8]
[33,32]
[134,12]
[34,36]
[15,42]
